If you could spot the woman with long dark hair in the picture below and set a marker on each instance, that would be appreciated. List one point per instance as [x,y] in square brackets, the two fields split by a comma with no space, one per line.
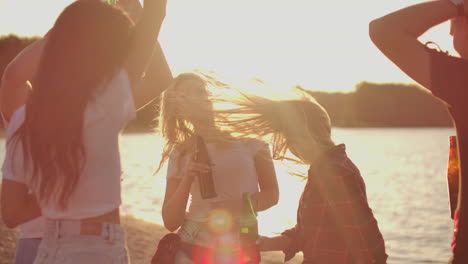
[63,156]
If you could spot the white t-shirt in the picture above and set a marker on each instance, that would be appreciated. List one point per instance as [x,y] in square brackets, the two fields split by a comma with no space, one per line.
[35,227]
[98,188]
[233,170]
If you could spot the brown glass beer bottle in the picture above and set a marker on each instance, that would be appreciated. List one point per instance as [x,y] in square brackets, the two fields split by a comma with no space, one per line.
[453,175]
[205,179]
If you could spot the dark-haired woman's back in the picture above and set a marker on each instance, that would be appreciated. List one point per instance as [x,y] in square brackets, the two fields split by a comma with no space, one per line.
[62,143]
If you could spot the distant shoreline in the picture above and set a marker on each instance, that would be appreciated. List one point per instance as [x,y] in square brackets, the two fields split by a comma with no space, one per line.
[368,104]
[136,129]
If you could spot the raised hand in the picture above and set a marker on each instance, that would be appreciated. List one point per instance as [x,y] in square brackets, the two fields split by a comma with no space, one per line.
[194,169]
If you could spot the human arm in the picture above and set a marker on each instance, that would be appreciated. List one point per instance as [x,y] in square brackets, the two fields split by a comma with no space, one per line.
[269,191]
[396,35]
[132,7]
[18,205]
[290,242]
[178,191]
[157,78]
[143,46]
[175,203]
[274,243]
[15,89]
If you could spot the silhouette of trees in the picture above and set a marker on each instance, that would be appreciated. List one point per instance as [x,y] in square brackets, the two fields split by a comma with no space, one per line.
[384,105]
[10,46]
[369,105]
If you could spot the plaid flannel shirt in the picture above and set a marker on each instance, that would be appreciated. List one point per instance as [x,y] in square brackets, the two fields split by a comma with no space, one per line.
[335,224]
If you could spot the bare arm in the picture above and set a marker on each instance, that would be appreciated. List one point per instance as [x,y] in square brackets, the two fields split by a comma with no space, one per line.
[175,203]
[274,243]
[176,197]
[18,206]
[157,78]
[132,7]
[142,47]
[269,192]
[14,89]
[396,35]
[290,242]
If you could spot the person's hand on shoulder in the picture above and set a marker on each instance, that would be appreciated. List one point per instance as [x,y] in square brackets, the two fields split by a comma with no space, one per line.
[194,169]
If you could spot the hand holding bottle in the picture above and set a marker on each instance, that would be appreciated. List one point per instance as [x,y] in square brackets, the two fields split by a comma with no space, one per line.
[202,162]
[196,168]
[248,226]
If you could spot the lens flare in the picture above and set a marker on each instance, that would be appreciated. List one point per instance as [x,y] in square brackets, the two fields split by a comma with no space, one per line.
[220,221]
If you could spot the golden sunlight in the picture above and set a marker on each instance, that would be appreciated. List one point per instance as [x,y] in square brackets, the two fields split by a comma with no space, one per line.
[266,47]
[320,45]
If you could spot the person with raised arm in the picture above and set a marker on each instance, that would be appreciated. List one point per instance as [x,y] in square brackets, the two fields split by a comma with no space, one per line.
[66,98]
[31,232]
[446,76]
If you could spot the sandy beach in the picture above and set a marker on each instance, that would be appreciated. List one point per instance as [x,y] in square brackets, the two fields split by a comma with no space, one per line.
[142,238]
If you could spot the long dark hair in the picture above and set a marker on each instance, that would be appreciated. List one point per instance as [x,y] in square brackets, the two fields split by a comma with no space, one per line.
[85,48]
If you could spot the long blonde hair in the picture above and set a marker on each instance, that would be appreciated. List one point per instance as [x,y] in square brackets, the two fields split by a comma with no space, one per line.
[187,111]
[295,122]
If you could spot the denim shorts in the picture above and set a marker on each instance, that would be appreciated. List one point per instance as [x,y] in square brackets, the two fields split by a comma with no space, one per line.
[198,233]
[27,250]
[62,243]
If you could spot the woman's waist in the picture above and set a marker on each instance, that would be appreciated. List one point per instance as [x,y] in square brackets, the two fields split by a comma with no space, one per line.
[95,225]
[220,207]
[79,208]
[209,233]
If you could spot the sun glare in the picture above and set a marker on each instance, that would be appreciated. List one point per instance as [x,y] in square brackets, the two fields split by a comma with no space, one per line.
[286,43]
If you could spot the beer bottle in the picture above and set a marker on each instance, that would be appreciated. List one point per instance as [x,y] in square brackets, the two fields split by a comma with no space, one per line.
[453,175]
[248,231]
[205,179]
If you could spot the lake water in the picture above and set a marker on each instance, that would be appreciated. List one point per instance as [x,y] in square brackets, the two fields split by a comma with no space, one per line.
[404,170]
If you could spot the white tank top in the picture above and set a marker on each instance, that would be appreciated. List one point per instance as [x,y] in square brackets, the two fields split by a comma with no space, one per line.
[98,189]
[233,170]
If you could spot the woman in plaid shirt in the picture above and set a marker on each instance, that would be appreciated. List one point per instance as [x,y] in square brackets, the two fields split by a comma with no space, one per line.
[335,224]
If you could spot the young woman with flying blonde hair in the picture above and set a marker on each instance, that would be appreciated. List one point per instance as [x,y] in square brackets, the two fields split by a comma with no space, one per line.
[334,221]
[237,166]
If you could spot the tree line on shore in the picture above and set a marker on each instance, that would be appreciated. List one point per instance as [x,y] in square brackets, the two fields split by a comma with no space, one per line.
[368,105]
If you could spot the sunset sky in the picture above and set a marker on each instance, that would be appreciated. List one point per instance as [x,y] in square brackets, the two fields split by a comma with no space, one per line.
[321,45]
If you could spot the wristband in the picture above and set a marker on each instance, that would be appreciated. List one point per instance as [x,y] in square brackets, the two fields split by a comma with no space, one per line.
[459,4]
